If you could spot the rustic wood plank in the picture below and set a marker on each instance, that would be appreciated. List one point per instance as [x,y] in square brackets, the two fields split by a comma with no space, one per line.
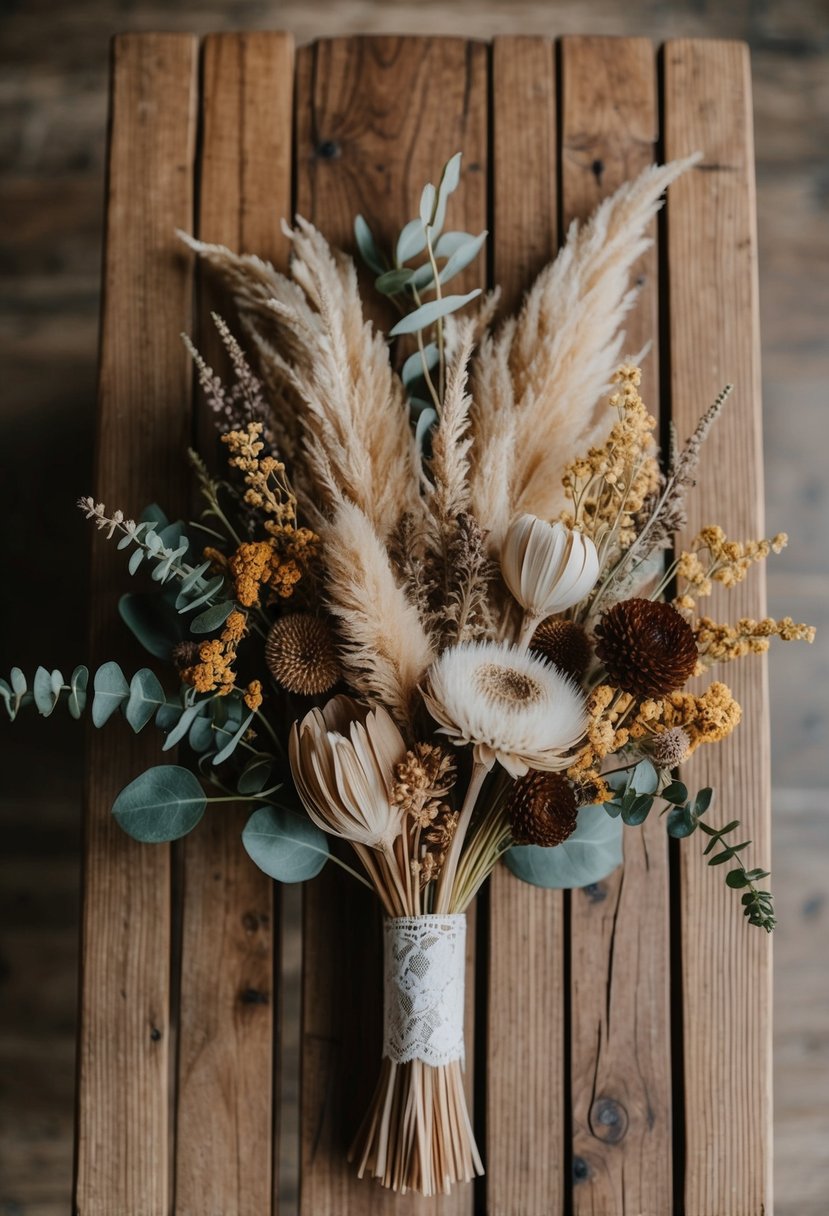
[144,420]
[726,965]
[619,997]
[525,1118]
[229,992]
[376,119]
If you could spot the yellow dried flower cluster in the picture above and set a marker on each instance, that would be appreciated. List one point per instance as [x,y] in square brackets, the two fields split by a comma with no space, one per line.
[267,483]
[606,708]
[721,643]
[422,779]
[610,484]
[727,562]
[705,719]
[257,564]
[214,670]
[253,694]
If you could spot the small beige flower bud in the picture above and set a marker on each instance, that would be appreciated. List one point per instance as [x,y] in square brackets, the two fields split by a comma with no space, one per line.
[548,567]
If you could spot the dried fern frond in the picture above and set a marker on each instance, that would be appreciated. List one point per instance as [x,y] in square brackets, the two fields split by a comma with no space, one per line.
[386,650]
[566,342]
[493,419]
[467,615]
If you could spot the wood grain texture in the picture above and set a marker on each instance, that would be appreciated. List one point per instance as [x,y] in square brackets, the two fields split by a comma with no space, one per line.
[229,989]
[525,1088]
[376,119]
[726,967]
[620,1060]
[144,420]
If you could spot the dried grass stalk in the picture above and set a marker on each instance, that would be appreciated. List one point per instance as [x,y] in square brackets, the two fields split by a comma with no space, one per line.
[386,649]
[557,358]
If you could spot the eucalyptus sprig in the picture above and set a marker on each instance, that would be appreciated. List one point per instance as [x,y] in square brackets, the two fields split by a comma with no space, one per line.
[636,788]
[409,285]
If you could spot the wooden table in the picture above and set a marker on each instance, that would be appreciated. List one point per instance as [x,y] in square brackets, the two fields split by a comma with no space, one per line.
[621,1057]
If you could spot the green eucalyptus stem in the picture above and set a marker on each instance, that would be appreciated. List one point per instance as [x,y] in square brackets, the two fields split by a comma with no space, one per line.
[439,325]
[426,373]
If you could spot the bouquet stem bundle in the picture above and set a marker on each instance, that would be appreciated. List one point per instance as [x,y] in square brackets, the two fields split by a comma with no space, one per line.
[417,1134]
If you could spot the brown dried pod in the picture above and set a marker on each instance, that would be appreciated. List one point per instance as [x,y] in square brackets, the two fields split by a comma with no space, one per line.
[647,647]
[565,644]
[301,654]
[542,809]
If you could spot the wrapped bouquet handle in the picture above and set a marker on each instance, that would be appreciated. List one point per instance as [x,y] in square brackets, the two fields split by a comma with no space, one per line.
[424,959]
[417,1134]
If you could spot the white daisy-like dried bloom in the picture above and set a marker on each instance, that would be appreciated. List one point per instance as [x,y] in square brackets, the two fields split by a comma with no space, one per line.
[510,705]
[547,567]
[343,758]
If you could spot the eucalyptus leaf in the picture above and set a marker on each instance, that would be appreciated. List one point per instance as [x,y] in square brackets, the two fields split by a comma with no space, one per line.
[425,422]
[590,854]
[680,822]
[638,811]
[185,604]
[428,199]
[413,367]
[462,257]
[18,681]
[411,242]
[190,580]
[45,699]
[448,184]
[255,775]
[164,803]
[153,620]
[110,690]
[57,681]
[644,778]
[76,702]
[675,792]
[145,699]
[287,846]
[449,242]
[168,714]
[202,736]
[703,801]
[428,313]
[367,245]
[233,742]
[390,282]
[737,879]
[183,725]
[212,617]
[154,514]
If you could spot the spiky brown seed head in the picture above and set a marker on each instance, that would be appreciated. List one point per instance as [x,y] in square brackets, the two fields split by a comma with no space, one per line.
[670,747]
[565,644]
[542,809]
[185,654]
[301,654]
[647,647]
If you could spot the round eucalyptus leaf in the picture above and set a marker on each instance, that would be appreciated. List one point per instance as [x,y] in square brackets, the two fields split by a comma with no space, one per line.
[145,699]
[255,775]
[153,620]
[111,689]
[288,847]
[76,702]
[45,699]
[427,314]
[162,804]
[212,617]
[590,854]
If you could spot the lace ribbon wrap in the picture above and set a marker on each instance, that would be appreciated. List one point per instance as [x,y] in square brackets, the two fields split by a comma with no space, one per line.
[424,964]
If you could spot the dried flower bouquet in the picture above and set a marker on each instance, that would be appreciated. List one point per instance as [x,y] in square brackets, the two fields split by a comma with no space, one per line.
[452,580]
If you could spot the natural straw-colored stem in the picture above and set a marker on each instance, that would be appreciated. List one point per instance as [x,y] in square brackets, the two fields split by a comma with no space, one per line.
[450,865]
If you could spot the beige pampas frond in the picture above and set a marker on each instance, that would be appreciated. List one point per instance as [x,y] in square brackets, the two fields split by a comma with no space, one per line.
[561,350]
[386,650]
[494,425]
[449,464]
[317,350]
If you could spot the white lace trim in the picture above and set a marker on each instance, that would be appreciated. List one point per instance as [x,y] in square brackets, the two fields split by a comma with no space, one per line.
[424,961]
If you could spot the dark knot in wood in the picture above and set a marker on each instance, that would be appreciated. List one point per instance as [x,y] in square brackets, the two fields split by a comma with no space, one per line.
[253,996]
[581,1170]
[608,1120]
[327,149]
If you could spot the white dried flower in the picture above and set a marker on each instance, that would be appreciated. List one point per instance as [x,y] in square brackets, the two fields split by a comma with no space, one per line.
[512,706]
[547,567]
[343,758]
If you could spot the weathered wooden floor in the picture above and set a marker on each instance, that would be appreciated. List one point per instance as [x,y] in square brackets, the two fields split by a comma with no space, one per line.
[54,96]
